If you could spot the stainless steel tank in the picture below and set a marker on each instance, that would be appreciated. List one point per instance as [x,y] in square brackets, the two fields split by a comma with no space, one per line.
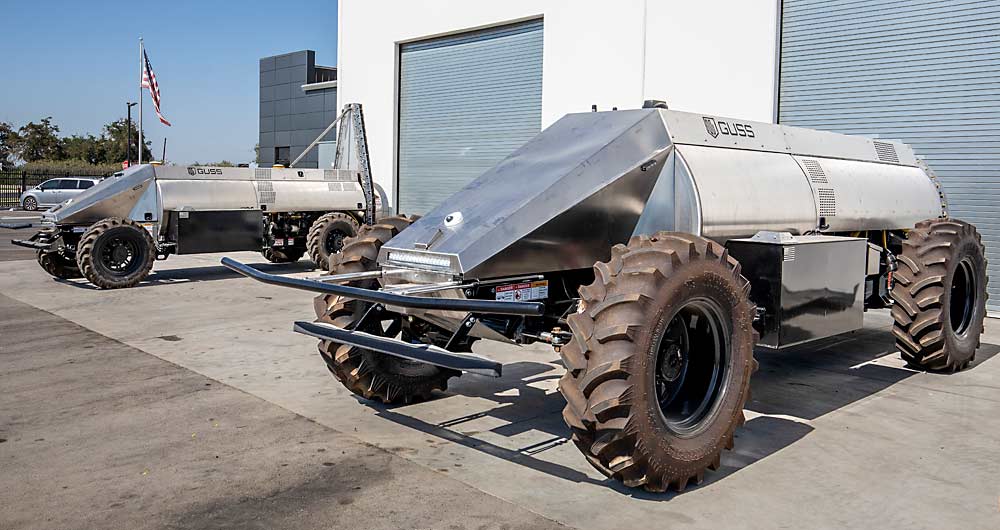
[156,190]
[594,179]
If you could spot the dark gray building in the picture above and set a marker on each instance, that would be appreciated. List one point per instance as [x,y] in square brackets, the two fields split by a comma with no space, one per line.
[298,99]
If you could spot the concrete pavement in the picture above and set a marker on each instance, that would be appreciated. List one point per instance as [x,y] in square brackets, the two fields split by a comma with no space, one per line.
[10,252]
[840,435]
[96,434]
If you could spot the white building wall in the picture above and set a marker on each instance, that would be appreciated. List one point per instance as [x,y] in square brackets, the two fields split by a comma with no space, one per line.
[714,57]
[704,57]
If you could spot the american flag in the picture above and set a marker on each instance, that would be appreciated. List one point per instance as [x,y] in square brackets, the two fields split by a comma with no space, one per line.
[149,81]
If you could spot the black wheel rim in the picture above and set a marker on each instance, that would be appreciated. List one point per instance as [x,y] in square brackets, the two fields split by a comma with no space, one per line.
[121,255]
[334,241]
[692,366]
[963,297]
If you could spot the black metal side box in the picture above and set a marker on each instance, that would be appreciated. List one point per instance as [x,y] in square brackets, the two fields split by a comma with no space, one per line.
[197,232]
[809,287]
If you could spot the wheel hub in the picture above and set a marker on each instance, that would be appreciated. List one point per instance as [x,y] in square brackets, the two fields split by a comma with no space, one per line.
[334,241]
[118,255]
[673,363]
[692,366]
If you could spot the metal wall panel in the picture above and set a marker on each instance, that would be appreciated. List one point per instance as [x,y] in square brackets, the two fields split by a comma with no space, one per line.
[291,117]
[921,71]
[465,102]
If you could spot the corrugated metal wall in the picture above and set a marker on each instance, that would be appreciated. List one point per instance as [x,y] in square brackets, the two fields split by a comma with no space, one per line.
[921,71]
[465,102]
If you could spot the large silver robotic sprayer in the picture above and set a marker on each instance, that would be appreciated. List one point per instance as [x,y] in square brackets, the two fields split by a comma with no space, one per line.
[654,249]
[112,233]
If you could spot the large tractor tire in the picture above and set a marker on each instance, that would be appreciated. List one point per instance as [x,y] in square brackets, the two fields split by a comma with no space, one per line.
[115,253]
[327,235]
[283,255]
[369,374]
[58,265]
[659,366]
[940,295]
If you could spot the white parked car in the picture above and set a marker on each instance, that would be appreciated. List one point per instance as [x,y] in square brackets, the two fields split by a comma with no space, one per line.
[54,191]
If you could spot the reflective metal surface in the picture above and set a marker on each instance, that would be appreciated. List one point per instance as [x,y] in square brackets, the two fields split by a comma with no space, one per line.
[555,203]
[184,188]
[853,195]
[810,287]
[273,189]
[112,197]
[591,180]
[742,192]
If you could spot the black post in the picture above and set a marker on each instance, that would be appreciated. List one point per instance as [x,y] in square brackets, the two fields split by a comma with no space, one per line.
[128,133]
[24,183]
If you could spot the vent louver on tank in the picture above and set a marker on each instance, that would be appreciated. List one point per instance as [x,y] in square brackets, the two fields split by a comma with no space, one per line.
[886,152]
[815,171]
[827,202]
[788,253]
[332,174]
[266,190]
[335,186]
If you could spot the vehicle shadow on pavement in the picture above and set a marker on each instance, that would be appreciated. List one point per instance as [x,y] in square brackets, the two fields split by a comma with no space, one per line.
[524,408]
[203,274]
[791,388]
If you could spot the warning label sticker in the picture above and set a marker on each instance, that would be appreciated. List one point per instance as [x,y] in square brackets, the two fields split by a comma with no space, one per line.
[149,228]
[516,292]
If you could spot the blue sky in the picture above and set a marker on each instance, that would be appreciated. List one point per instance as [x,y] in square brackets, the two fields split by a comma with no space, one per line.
[77,61]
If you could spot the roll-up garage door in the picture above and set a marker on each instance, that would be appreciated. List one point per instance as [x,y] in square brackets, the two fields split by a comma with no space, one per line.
[465,102]
[921,71]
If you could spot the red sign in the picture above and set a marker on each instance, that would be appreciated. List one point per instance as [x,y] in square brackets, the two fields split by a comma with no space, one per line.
[125,164]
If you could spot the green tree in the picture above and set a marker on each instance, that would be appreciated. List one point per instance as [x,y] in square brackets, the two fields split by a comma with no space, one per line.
[73,166]
[116,137]
[8,145]
[39,141]
[89,148]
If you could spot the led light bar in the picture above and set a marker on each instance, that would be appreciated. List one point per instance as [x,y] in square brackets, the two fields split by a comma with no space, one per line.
[419,259]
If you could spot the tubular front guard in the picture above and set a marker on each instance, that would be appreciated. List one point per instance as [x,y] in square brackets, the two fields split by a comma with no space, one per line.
[16,226]
[391,299]
[417,352]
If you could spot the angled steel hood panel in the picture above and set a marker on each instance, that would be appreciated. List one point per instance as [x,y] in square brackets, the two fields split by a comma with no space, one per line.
[112,197]
[562,167]
[579,236]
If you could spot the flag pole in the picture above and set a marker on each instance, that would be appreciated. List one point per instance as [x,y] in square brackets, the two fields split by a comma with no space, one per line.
[139,132]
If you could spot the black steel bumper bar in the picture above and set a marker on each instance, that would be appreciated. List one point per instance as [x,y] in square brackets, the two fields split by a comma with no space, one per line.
[37,245]
[391,299]
[424,353]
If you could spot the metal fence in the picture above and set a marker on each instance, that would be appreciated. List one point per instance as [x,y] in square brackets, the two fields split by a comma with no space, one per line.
[14,182]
